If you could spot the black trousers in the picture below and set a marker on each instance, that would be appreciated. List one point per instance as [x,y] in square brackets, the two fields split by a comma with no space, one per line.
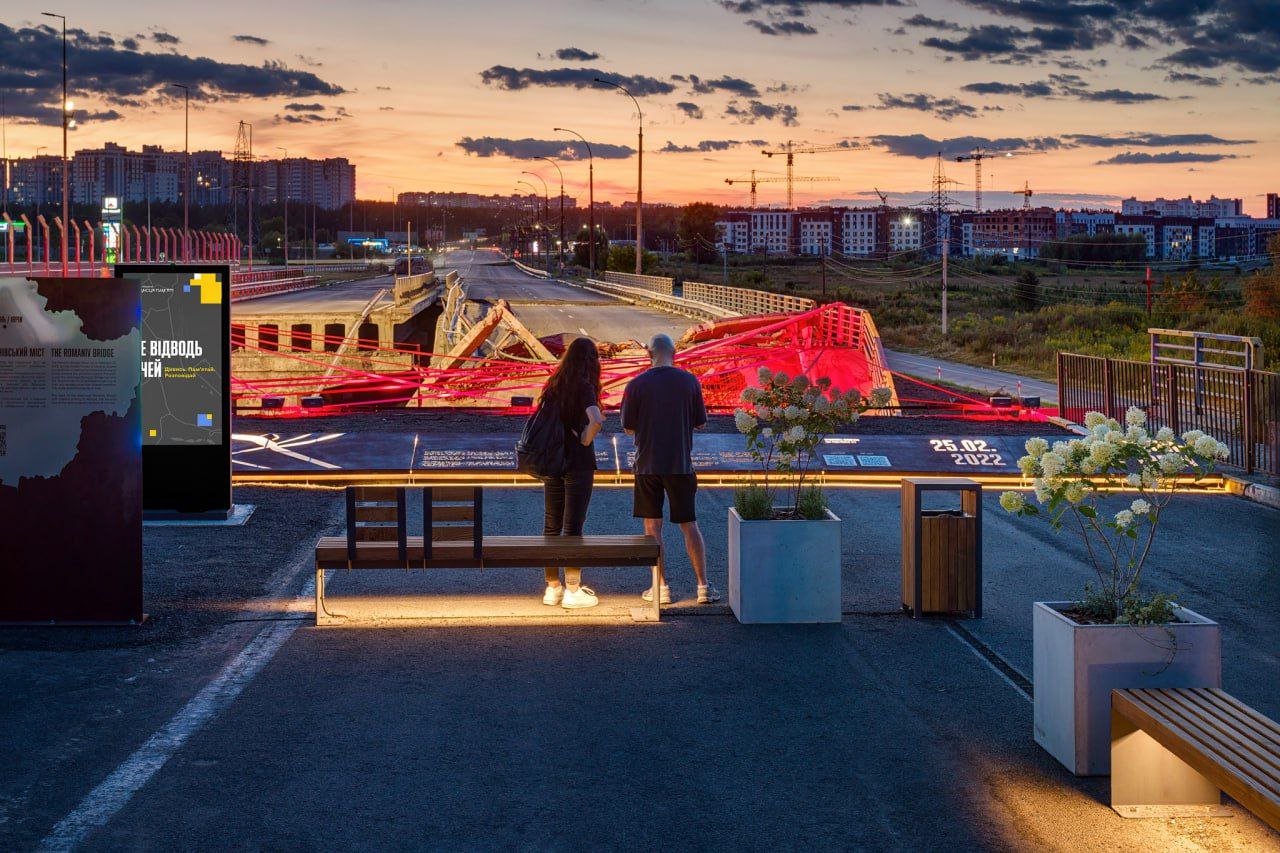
[565,501]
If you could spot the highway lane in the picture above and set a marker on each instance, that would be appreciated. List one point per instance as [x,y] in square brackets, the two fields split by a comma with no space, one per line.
[549,307]
[982,378]
[340,297]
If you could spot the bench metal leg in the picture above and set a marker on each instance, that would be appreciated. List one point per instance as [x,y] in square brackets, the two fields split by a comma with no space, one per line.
[1149,781]
[654,613]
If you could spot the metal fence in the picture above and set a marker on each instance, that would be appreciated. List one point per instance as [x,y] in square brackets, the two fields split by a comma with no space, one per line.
[742,300]
[1238,407]
[656,283]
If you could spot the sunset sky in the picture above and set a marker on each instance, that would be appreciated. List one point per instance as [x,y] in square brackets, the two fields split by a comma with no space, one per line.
[1100,99]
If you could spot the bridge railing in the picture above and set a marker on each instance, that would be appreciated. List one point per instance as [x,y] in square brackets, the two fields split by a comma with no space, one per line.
[408,286]
[662,301]
[241,292]
[528,270]
[741,300]
[654,283]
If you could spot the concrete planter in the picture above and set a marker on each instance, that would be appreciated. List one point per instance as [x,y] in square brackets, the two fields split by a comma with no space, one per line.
[1077,666]
[784,571]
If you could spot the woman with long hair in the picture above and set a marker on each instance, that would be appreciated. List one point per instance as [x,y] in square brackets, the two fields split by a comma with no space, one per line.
[574,389]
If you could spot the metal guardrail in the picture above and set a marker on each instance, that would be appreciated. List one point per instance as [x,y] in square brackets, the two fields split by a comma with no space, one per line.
[241,292]
[744,301]
[527,270]
[674,304]
[1240,407]
[654,283]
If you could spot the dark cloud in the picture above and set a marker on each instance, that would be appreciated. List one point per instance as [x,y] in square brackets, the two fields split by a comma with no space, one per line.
[506,77]
[752,111]
[925,22]
[709,145]
[1151,140]
[532,149]
[800,8]
[576,54]
[129,44]
[782,28]
[305,108]
[386,109]
[309,118]
[689,108]
[984,42]
[31,74]
[1189,77]
[732,85]
[921,147]
[1140,158]
[1027,90]
[161,37]
[944,108]
[1055,13]
[1117,96]
[254,40]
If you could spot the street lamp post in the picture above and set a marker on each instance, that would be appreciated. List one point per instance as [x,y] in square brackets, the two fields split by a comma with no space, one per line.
[639,173]
[546,212]
[186,170]
[66,118]
[538,225]
[591,198]
[286,204]
[561,174]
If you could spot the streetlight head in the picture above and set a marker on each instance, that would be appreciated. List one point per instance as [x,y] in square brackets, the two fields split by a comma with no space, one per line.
[53,15]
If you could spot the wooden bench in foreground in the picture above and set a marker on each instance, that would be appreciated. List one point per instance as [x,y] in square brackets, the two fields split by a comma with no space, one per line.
[377,538]
[1174,749]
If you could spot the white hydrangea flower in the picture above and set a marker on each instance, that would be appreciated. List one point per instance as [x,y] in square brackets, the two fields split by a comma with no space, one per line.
[821,405]
[1093,419]
[1052,464]
[1037,447]
[1149,479]
[1134,480]
[1170,463]
[1074,493]
[1027,465]
[796,433]
[764,376]
[1088,466]
[1164,434]
[1101,430]
[1060,447]
[764,412]
[1124,518]
[1042,489]
[744,421]
[1102,453]
[1135,416]
[1192,436]
[1012,501]
[1224,452]
[1206,445]
[1140,507]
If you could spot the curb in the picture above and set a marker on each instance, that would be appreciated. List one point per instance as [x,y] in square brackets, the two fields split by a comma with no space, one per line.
[1256,492]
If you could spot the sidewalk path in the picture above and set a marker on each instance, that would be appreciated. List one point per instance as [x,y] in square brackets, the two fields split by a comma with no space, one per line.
[982,378]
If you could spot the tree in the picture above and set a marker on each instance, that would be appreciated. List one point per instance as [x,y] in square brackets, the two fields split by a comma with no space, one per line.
[1026,290]
[696,230]
[582,248]
[1103,247]
[623,259]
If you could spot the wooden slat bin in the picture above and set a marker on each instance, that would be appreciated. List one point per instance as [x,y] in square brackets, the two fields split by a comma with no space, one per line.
[941,549]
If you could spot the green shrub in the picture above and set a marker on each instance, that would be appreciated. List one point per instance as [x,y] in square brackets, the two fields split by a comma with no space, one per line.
[812,504]
[753,503]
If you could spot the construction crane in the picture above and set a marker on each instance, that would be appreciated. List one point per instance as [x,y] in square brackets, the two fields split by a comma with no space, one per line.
[884,199]
[791,150]
[977,156]
[753,180]
[1026,194]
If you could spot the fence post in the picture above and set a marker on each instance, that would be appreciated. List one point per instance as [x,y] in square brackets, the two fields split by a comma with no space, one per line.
[1249,450]
[1108,392]
[1062,394]
[1171,392]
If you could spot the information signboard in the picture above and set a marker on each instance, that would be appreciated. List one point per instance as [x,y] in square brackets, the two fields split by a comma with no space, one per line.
[70,465]
[186,388]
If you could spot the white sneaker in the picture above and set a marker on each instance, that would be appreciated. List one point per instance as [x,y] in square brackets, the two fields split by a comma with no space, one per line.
[647,595]
[553,596]
[707,594]
[580,597]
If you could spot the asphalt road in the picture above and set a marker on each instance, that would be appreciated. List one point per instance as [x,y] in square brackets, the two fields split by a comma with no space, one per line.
[877,733]
[982,378]
[550,307]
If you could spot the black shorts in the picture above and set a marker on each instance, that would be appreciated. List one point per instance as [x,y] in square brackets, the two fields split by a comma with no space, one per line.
[681,489]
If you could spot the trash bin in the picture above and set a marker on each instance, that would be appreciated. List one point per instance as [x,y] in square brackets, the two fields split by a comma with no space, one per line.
[941,549]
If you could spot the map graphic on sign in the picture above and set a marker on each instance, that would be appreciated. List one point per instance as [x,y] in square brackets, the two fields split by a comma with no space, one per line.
[52,376]
[182,400]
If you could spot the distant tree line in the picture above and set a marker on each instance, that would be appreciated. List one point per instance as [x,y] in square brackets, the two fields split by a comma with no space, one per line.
[1096,248]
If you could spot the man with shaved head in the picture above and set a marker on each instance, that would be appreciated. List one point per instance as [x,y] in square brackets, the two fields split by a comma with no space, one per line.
[661,408]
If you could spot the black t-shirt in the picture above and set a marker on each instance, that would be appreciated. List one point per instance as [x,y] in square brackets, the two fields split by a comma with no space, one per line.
[573,414]
[663,406]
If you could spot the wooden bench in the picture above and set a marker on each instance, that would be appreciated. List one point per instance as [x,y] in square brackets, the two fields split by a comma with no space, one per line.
[1174,749]
[452,517]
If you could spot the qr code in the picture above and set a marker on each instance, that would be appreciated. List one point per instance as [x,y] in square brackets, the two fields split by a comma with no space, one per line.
[4,442]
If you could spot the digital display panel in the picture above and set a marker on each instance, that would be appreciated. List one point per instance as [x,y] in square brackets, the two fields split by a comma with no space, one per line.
[182,343]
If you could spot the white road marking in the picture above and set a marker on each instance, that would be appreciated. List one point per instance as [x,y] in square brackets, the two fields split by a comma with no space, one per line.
[114,792]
